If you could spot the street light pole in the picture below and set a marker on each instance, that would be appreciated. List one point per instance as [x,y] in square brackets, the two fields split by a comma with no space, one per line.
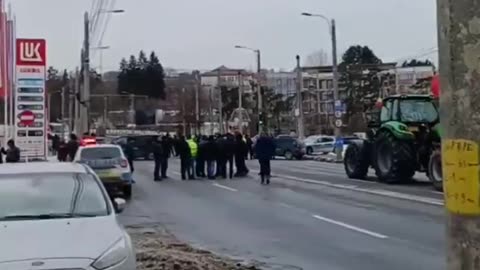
[86,77]
[300,120]
[220,103]
[333,34]
[259,93]
[259,85]
[338,131]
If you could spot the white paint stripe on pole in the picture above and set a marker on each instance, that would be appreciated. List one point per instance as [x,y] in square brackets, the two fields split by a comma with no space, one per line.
[351,227]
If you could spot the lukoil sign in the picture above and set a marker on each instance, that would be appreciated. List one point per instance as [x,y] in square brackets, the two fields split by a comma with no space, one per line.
[31,52]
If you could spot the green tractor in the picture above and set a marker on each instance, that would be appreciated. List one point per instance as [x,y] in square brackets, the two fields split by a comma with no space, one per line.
[403,138]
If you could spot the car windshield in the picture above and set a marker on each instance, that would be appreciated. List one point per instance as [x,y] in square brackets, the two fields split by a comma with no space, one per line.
[311,139]
[418,111]
[96,153]
[51,195]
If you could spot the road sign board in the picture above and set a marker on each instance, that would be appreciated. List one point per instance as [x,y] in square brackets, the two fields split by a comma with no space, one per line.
[338,114]
[340,106]
[27,118]
[338,123]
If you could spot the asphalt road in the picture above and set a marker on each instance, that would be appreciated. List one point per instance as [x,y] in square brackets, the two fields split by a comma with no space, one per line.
[310,217]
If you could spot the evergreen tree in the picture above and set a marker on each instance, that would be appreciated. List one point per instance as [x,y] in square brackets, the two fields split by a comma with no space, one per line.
[359,70]
[142,76]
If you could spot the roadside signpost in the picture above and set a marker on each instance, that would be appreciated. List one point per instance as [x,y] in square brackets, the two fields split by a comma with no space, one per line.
[30,99]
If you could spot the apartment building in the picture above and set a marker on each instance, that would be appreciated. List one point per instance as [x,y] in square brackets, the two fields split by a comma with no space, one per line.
[229,77]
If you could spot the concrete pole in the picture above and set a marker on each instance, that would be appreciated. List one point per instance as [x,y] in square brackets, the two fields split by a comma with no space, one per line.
[319,111]
[77,125]
[86,78]
[197,103]
[62,106]
[132,109]
[105,111]
[459,44]
[300,120]
[71,100]
[259,92]
[240,101]
[337,130]
[210,109]
[220,103]
[184,123]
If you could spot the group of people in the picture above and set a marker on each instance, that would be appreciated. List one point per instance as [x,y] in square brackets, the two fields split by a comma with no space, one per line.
[66,151]
[212,157]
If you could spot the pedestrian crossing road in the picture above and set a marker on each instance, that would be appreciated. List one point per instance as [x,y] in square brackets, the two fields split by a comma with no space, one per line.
[310,217]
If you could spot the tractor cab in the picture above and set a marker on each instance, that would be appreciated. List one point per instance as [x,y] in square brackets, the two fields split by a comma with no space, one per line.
[413,110]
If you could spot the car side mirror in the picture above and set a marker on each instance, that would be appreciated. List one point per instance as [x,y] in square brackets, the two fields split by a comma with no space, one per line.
[119,205]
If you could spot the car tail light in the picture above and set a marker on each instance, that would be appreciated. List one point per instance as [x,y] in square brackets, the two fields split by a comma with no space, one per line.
[123,163]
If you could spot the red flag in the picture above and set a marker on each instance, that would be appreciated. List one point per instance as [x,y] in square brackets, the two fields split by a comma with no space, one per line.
[435,87]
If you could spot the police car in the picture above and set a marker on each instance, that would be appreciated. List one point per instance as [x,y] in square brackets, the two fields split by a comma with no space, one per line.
[110,164]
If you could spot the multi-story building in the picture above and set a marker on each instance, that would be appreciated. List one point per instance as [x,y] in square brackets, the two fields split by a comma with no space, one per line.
[407,80]
[282,82]
[228,77]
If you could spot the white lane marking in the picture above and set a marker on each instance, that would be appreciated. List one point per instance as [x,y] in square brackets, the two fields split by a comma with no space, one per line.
[351,227]
[286,205]
[380,192]
[224,187]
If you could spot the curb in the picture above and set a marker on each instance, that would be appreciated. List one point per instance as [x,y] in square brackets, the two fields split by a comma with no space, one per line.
[328,159]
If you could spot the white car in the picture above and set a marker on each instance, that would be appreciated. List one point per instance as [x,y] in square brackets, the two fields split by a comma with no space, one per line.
[110,164]
[319,144]
[59,216]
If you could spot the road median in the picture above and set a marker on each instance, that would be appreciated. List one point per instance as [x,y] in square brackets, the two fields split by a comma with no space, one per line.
[158,249]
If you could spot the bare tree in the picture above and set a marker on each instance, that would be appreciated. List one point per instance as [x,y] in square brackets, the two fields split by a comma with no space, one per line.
[317,58]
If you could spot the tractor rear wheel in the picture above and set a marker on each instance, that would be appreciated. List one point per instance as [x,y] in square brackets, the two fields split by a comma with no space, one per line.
[356,161]
[435,170]
[394,160]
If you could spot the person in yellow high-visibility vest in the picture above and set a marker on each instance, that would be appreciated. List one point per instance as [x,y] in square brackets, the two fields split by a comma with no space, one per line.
[194,152]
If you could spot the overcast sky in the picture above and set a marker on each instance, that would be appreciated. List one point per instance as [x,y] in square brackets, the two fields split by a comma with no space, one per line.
[202,33]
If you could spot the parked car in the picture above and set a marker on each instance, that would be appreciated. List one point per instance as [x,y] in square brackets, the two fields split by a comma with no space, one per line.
[142,145]
[59,216]
[289,147]
[319,144]
[110,164]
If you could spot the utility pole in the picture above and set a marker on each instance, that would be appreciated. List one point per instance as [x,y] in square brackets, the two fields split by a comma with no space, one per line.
[210,109]
[300,121]
[77,124]
[459,44]
[132,109]
[86,78]
[240,105]
[184,124]
[105,111]
[220,103]
[71,101]
[337,131]
[62,109]
[259,92]
[197,105]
